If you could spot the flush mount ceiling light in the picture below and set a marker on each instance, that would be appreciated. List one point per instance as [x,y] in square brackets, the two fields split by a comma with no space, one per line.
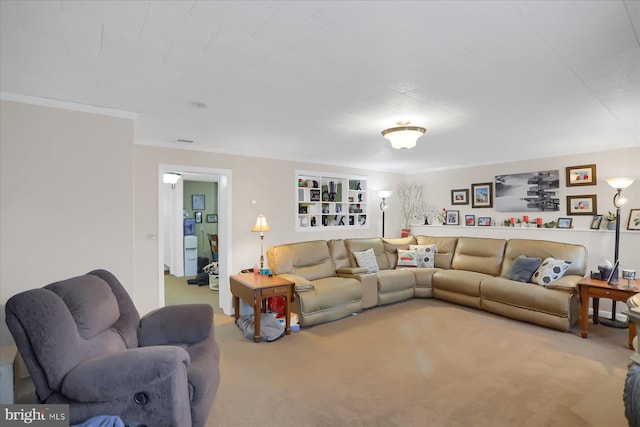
[170,177]
[403,136]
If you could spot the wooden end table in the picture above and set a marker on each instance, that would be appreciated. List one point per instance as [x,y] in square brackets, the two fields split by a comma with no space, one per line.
[597,289]
[256,288]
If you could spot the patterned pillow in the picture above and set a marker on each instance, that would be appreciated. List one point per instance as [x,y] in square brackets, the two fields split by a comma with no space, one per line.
[407,258]
[426,255]
[367,259]
[551,269]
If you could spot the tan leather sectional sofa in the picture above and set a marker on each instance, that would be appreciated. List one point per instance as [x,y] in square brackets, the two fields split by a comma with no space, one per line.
[468,271]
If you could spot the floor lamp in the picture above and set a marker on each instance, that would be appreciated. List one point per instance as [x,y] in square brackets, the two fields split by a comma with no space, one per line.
[384,194]
[261,226]
[618,201]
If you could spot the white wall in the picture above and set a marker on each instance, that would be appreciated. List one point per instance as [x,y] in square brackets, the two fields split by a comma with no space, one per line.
[271,183]
[66,188]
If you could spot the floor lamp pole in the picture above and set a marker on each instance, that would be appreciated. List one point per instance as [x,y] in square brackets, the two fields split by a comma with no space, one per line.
[613,323]
[383,223]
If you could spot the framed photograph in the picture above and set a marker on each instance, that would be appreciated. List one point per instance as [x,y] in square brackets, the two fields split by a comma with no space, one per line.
[582,205]
[460,197]
[634,220]
[452,218]
[470,220]
[212,218]
[564,222]
[484,221]
[482,195]
[581,175]
[197,202]
[528,192]
[198,216]
[596,221]
[315,195]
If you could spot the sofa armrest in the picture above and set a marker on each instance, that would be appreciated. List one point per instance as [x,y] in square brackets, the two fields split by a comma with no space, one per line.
[176,324]
[113,375]
[565,283]
[301,284]
[369,283]
[352,270]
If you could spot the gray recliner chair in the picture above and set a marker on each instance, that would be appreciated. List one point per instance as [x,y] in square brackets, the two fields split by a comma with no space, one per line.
[85,345]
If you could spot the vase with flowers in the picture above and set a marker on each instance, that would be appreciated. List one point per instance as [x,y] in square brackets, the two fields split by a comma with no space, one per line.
[611,220]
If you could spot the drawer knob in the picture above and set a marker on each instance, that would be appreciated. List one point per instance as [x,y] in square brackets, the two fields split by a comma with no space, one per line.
[608,293]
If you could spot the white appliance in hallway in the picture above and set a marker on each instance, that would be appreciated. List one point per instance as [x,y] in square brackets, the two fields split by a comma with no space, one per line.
[190,255]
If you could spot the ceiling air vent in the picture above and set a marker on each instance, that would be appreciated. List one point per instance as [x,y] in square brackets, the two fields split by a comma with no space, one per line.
[184,141]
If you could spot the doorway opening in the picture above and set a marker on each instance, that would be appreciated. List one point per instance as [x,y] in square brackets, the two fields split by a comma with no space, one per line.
[172,206]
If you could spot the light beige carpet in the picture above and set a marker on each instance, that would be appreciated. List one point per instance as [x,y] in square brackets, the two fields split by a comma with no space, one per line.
[422,362]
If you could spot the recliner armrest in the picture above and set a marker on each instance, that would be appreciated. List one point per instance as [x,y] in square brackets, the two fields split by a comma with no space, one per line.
[176,324]
[113,375]
[352,270]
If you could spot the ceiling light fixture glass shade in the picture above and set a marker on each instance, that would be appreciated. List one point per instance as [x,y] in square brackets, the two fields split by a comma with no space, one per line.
[403,137]
[170,177]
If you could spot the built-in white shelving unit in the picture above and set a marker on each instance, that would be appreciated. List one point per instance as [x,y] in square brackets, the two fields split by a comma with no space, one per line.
[328,201]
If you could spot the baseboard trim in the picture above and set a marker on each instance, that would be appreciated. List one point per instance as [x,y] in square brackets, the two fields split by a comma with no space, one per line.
[607,314]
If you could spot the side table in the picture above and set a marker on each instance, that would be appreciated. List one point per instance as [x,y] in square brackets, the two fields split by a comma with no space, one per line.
[254,289]
[597,289]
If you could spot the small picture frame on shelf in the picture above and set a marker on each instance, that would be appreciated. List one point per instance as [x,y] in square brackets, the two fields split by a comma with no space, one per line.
[634,220]
[582,205]
[198,216]
[581,175]
[315,195]
[460,197]
[596,221]
[303,210]
[469,220]
[482,195]
[212,218]
[452,218]
[484,221]
[564,222]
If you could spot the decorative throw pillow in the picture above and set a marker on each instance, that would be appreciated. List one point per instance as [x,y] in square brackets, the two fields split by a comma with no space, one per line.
[522,268]
[407,258]
[426,255]
[367,259]
[551,269]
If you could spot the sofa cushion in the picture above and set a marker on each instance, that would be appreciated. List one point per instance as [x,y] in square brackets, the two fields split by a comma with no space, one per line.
[445,248]
[459,281]
[359,245]
[551,269]
[310,260]
[426,255]
[481,255]
[390,281]
[522,268]
[542,249]
[329,293]
[391,247]
[407,258]
[367,259]
[339,253]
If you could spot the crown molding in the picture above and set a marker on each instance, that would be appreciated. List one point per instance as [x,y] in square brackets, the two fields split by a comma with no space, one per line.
[56,103]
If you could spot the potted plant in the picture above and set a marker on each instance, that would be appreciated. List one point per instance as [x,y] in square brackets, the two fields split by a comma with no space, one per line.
[412,204]
[611,220]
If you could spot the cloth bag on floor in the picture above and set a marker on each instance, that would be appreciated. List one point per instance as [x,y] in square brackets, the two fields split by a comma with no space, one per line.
[270,328]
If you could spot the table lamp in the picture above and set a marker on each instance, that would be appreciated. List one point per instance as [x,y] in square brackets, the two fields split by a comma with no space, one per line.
[261,226]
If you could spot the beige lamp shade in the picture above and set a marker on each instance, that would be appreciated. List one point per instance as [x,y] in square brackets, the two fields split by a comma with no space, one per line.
[261,224]
[620,182]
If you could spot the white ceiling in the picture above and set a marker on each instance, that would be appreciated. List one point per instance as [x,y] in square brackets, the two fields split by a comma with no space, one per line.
[492,81]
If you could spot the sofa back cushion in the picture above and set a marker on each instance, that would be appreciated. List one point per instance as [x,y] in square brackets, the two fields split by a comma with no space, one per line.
[310,260]
[576,254]
[391,247]
[445,248]
[339,253]
[479,254]
[361,245]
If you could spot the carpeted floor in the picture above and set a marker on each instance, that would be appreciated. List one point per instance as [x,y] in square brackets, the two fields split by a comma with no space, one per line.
[422,362]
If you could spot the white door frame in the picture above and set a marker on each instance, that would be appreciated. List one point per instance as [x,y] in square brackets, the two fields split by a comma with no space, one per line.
[224,229]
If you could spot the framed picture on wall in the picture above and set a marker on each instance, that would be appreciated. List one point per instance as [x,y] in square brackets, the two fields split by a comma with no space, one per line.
[581,175]
[460,197]
[212,218]
[197,202]
[198,216]
[582,205]
[482,195]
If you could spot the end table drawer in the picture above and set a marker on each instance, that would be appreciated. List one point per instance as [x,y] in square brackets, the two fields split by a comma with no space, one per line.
[276,290]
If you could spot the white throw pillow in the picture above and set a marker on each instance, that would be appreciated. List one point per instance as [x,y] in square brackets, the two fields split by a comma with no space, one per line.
[367,259]
[426,255]
[551,269]
[407,258]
